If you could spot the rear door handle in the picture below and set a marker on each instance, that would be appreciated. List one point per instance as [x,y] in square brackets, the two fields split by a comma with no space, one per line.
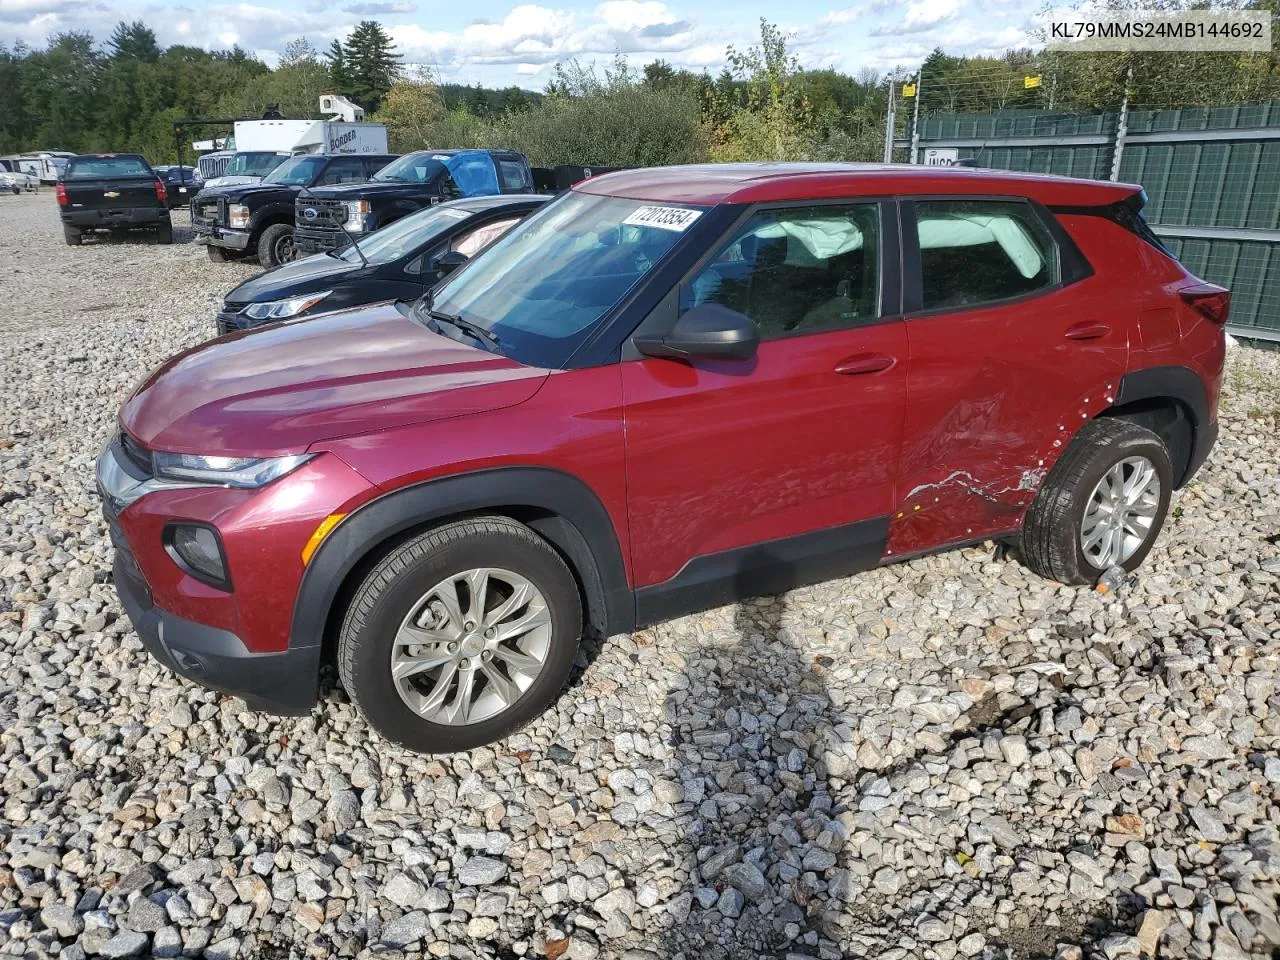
[1087,331]
[864,363]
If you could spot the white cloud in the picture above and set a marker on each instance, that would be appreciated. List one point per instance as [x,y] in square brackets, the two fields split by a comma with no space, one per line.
[928,13]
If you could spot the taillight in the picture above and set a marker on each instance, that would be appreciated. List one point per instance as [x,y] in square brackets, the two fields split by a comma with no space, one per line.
[61,192]
[160,192]
[1209,299]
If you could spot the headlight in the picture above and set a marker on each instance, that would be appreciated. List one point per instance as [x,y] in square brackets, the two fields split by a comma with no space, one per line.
[244,472]
[280,309]
[357,210]
[238,215]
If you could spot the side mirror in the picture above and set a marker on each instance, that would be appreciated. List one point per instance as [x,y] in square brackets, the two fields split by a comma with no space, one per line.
[709,330]
[446,263]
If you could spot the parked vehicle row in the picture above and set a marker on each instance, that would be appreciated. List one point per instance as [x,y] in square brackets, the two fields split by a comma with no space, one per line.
[399,262]
[663,390]
[257,218]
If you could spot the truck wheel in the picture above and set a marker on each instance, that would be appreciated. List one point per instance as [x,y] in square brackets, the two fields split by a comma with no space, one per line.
[72,236]
[461,636]
[217,254]
[1102,505]
[275,246]
[164,233]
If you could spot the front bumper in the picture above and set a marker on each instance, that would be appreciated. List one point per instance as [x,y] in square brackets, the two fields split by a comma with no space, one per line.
[282,683]
[109,219]
[223,237]
[310,240]
[234,641]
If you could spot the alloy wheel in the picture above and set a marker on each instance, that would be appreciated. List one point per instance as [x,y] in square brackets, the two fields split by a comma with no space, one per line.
[1121,512]
[471,646]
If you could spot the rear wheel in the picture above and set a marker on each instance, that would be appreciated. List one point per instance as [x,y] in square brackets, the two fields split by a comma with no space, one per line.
[461,636]
[73,236]
[275,246]
[164,233]
[1102,505]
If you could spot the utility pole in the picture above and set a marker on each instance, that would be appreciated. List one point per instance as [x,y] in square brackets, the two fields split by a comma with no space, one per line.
[915,118]
[1122,125]
[889,119]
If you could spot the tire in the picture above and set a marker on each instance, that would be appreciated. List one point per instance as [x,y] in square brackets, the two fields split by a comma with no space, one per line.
[217,254]
[164,233]
[275,246]
[406,580]
[1051,540]
[73,236]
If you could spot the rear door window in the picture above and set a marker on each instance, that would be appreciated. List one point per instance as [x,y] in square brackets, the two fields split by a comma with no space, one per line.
[515,176]
[981,251]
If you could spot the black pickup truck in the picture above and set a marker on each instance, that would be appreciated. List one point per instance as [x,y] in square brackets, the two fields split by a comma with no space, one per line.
[324,218]
[258,217]
[112,192]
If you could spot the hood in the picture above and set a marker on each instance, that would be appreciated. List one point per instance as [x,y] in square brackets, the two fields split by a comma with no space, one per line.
[308,275]
[230,181]
[370,188]
[279,389]
[238,193]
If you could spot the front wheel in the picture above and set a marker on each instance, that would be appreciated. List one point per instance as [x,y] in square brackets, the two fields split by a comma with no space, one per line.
[1102,505]
[217,254]
[461,636]
[275,246]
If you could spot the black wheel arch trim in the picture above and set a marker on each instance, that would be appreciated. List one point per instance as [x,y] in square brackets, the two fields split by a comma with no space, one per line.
[566,512]
[1186,386]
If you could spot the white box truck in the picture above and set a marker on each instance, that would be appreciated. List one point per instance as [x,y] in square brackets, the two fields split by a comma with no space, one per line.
[262,145]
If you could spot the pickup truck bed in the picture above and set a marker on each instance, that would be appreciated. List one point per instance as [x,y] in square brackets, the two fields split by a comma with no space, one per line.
[112,192]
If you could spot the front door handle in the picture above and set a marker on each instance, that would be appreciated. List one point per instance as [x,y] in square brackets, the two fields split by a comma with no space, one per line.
[1087,331]
[864,363]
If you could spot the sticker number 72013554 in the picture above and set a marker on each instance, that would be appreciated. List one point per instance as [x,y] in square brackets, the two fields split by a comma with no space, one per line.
[664,218]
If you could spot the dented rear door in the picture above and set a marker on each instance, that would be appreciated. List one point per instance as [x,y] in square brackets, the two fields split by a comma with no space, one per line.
[1007,357]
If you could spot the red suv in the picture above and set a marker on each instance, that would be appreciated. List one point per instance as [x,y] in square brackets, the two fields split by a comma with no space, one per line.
[667,390]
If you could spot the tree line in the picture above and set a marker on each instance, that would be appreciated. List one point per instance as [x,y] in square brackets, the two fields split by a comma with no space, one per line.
[126,95]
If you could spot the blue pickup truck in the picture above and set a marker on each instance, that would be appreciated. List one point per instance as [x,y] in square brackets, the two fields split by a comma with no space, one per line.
[325,217]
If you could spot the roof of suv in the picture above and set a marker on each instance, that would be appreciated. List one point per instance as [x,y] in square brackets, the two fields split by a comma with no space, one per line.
[714,183]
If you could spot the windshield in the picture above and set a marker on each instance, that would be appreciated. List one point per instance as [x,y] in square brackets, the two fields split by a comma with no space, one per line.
[253,164]
[406,235]
[412,168]
[299,171]
[86,168]
[542,288]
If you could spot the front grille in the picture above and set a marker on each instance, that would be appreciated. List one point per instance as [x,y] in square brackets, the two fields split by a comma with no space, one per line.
[207,213]
[139,457]
[319,214]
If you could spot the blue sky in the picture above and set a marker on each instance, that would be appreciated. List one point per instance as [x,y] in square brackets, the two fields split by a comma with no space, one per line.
[500,43]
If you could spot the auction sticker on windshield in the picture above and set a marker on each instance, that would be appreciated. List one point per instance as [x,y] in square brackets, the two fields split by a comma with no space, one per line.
[664,218]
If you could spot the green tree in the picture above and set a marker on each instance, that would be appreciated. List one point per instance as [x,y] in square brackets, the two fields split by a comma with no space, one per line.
[336,58]
[768,117]
[134,41]
[371,64]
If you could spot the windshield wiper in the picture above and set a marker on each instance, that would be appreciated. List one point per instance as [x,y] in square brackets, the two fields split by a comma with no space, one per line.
[466,326]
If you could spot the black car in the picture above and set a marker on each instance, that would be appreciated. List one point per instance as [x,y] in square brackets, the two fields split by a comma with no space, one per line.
[112,192]
[179,184]
[399,262]
[258,217]
[324,218]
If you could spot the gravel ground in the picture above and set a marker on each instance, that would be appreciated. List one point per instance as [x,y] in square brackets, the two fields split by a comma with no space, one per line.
[944,758]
